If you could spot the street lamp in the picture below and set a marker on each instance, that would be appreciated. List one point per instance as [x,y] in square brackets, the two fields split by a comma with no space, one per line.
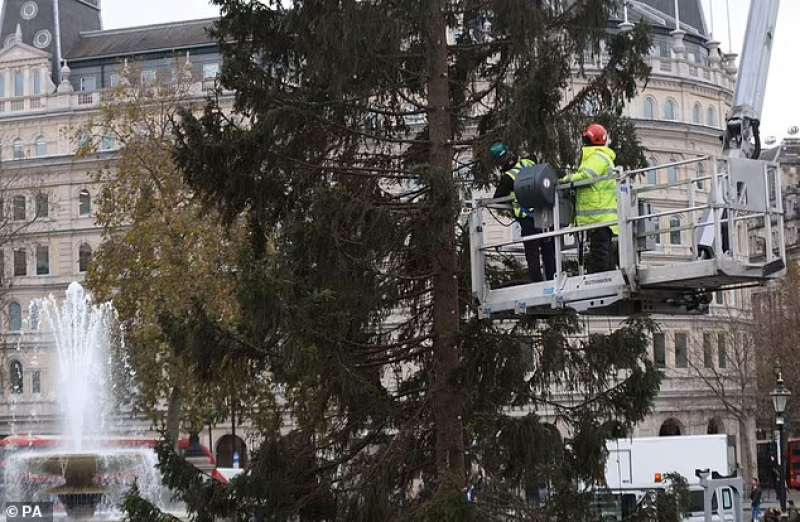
[780,395]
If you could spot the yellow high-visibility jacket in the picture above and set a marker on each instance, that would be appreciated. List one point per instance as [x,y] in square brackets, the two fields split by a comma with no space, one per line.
[596,203]
[512,173]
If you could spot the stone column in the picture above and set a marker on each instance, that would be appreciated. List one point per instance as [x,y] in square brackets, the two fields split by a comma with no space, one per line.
[713,53]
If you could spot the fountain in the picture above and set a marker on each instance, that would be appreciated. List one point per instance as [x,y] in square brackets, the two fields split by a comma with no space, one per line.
[87,471]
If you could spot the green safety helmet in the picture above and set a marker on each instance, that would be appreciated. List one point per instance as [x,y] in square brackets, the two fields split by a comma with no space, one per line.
[498,151]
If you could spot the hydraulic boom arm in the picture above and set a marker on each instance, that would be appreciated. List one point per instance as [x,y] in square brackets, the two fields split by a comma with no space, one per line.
[742,139]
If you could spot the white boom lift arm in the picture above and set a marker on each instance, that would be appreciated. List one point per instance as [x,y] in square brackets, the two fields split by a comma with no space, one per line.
[743,209]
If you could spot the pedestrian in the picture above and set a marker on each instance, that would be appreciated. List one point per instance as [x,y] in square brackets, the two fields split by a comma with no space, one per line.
[793,512]
[510,164]
[596,202]
[755,500]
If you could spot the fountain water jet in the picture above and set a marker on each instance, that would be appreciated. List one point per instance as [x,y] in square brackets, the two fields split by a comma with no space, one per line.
[87,471]
[82,339]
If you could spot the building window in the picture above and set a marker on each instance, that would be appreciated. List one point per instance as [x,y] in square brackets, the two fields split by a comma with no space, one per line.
[42,260]
[37,82]
[19,84]
[210,70]
[14,317]
[148,77]
[708,350]
[42,205]
[19,208]
[657,230]
[652,175]
[108,143]
[649,108]
[20,263]
[697,114]
[113,80]
[33,316]
[19,150]
[674,235]
[712,117]
[88,84]
[681,359]
[41,147]
[670,110]
[672,172]
[36,382]
[701,172]
[721,351]
[17,377]
[84,203]
[84,257]
[664,48]
[2,85]
[659,350]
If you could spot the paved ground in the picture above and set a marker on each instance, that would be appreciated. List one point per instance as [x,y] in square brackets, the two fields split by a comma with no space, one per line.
[770,500]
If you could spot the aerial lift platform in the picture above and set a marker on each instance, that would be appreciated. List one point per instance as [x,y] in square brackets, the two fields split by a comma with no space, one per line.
[741,210]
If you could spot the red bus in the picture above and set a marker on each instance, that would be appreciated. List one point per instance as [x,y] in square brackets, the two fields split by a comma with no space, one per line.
[793,463]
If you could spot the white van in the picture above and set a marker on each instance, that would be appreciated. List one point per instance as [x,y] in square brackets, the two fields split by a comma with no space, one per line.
[638,466]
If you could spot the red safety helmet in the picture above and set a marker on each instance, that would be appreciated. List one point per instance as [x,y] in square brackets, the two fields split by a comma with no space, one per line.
[595,134]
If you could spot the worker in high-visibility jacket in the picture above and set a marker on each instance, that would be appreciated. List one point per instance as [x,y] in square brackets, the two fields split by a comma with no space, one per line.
[510,164]
[596,203]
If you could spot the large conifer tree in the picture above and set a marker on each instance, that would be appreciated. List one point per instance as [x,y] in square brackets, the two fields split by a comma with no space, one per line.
[358,128]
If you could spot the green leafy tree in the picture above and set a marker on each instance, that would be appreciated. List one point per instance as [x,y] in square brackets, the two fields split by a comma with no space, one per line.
[357,127]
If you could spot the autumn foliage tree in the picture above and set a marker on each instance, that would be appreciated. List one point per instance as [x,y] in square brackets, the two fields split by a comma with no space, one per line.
[162,253]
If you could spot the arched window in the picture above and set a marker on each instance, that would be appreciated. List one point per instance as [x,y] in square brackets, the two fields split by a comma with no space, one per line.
[41,147]
[697,114]
[712,117]
[84,203]
[14,317]
[649,108]
[674,235]
[84,257]
[19,149]
[652,175]
[715,426]
[17,377]
[670,110]
[701,172]
[226,447]
[670,428]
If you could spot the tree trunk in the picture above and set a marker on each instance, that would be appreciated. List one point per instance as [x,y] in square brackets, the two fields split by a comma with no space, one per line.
[746,452]
[446,396]
[174,406]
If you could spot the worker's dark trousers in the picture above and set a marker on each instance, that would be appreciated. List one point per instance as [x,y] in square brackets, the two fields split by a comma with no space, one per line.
[536,248]
[601,251]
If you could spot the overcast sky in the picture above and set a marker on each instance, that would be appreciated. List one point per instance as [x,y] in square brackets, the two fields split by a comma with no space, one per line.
[781,107]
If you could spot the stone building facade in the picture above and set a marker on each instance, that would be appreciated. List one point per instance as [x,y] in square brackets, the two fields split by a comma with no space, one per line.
[54,65]
[680,115]
[787,154]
